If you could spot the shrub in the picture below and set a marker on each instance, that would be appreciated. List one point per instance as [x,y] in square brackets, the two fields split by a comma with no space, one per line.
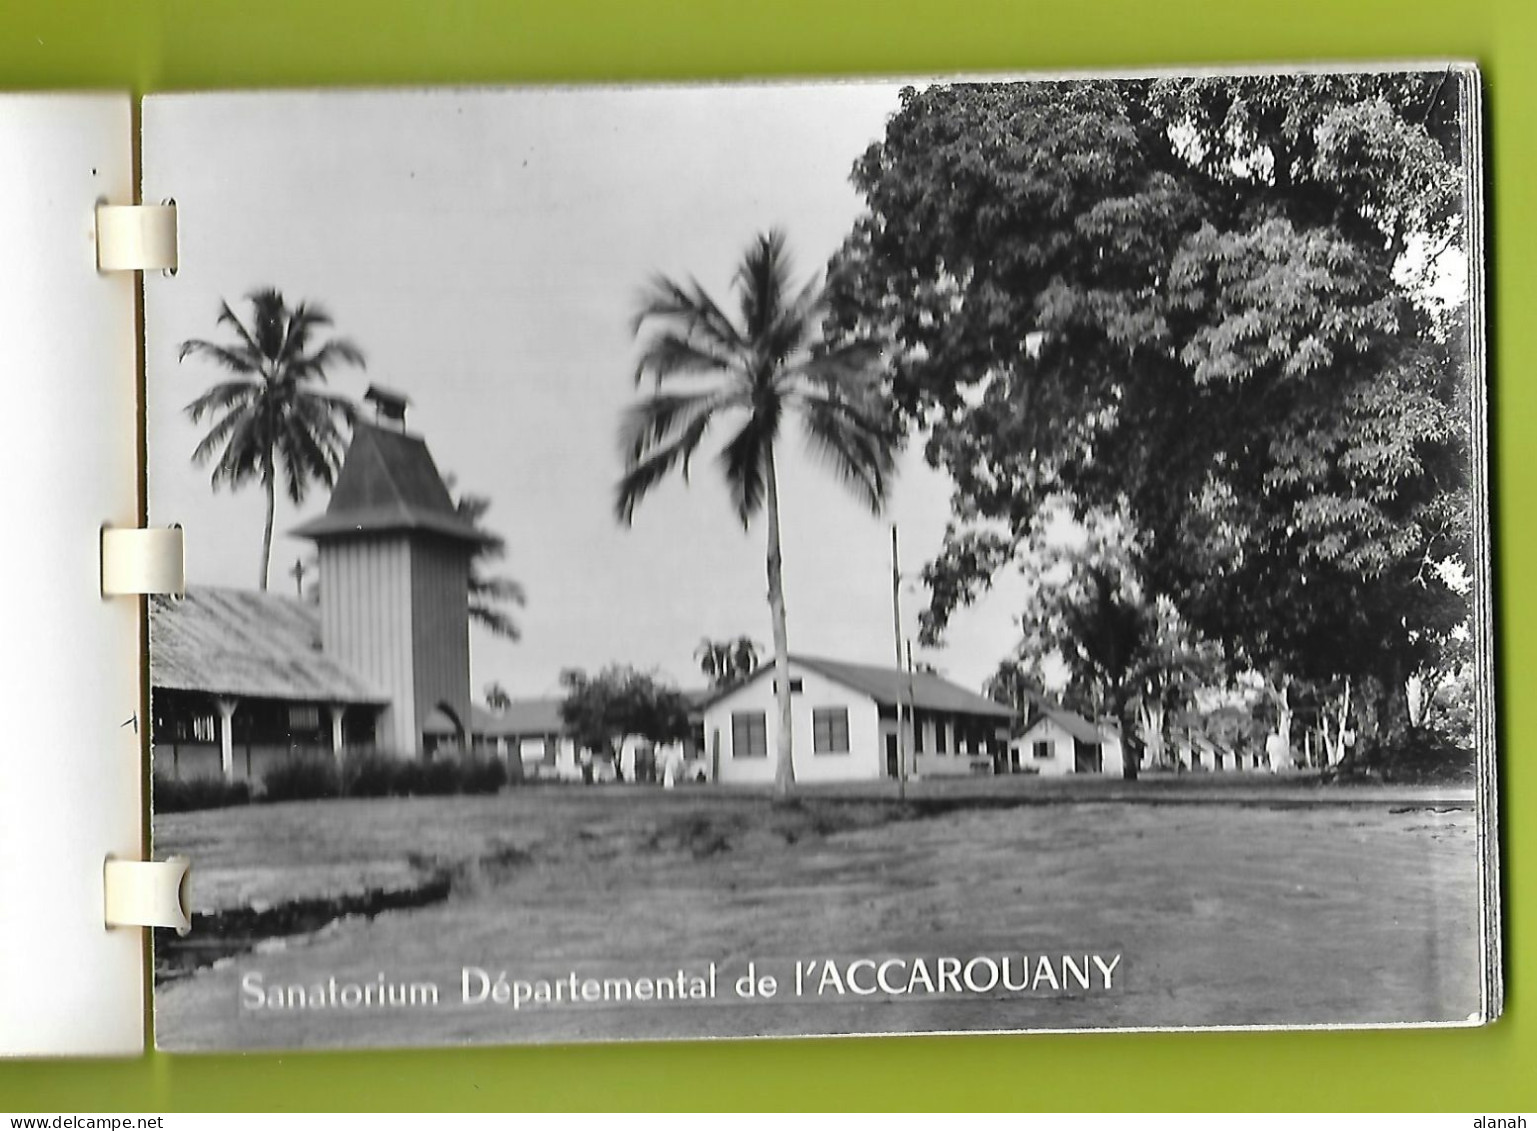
[174,796]
[302,779]
[429,779]
[377,775]
[1430,756]
[483,775]
[371,775]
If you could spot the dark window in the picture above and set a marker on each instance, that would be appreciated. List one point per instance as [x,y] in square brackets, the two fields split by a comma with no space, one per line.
[830,730]
[940,737]
[749,734]
[1041,750]
[796,685]
[303,717]
[919,727]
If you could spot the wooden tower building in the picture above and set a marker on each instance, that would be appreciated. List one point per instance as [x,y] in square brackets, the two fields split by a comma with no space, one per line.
[394,581]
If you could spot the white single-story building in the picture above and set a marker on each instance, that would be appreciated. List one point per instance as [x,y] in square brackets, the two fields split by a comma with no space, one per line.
[530,736]
[844,720]
[1058,741]
[1193,750]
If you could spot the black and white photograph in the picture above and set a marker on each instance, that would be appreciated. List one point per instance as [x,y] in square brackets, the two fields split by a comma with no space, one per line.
[823,558]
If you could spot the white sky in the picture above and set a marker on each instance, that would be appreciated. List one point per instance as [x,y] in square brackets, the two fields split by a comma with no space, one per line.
[485,249]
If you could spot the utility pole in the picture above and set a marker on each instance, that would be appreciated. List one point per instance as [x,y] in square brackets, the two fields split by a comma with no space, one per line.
[896,625]
[912,703]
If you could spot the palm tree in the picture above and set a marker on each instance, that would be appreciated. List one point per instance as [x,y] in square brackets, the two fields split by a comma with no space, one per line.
[749,375]
[272,414]
[724,662]
[490,597]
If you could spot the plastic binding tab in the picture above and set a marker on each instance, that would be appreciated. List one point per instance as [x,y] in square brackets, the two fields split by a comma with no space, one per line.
[136,237]
[137,560]
[147,893]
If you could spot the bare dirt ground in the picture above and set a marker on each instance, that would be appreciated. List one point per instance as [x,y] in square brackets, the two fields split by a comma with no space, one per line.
[1239,902]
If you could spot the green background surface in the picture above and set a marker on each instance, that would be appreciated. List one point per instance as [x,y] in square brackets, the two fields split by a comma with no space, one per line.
[155,45]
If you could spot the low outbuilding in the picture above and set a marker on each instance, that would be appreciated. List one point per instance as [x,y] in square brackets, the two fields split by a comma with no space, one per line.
[1057,741]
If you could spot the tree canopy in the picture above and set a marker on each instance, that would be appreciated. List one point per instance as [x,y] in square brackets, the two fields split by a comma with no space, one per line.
[1202,303]
[728,661]
[272,416]
[603,709]
[491,597]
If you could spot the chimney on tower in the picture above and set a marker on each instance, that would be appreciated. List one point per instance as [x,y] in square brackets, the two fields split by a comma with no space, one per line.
[389,406]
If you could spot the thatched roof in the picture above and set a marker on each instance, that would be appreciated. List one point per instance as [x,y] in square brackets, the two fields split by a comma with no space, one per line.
[389,481]
[248,644]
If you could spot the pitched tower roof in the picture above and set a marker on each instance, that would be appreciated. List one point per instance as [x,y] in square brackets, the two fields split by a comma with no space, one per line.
[388,482]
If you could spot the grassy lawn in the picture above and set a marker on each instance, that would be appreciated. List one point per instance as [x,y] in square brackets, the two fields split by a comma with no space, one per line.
[1256,902]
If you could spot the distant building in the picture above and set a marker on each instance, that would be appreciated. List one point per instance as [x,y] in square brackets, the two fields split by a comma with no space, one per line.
[530,735]
[240,679]
[535,740]
[1057,741]
[844,720]
[1192,749]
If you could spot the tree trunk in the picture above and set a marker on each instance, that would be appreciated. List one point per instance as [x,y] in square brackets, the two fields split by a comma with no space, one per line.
[784,767]
[1393,720]
[1334,742]
[1280,753]
[1150,721]
[270,483]
[1382,717]
[1131,744]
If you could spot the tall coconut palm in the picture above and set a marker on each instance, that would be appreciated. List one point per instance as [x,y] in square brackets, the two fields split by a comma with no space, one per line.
[749,375]
[272,415]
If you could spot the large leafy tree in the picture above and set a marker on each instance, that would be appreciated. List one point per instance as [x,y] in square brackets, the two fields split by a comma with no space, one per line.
[602,709]
[273,416]
[1200,302]
[749,375]
[1016,685]
[1091,629]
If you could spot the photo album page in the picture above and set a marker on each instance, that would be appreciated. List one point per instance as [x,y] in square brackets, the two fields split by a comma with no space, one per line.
[936,555]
